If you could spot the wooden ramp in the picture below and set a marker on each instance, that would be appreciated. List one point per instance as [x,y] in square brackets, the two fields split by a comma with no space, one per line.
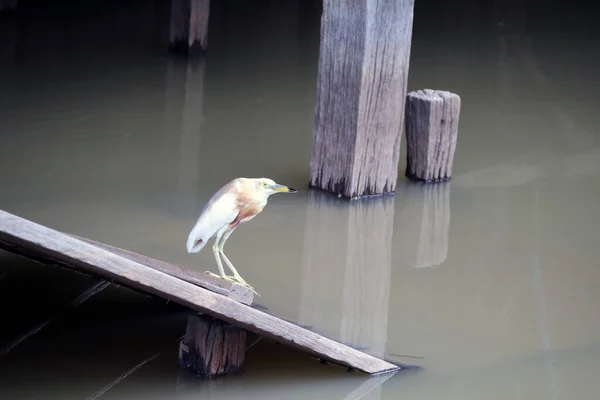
[218,298]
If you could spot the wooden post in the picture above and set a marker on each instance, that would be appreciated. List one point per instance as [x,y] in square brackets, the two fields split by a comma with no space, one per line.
[361,90]
[189,26]
[431,133]
[212,347]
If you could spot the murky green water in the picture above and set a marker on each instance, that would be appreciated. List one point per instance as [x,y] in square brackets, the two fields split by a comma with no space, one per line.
[493,277]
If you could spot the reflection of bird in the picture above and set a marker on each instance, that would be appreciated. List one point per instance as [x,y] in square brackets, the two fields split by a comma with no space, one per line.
[238,201]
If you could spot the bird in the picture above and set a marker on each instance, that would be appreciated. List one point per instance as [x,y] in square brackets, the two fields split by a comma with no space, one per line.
[238,201]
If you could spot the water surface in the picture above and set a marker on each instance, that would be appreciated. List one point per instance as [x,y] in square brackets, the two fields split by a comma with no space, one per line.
[492,278]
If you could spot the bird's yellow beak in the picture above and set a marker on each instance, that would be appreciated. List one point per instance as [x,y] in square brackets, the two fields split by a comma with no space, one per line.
[283,189]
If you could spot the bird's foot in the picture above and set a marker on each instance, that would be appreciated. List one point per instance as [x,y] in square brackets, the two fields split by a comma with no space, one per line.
[229,278]
[242,282]
[233,278]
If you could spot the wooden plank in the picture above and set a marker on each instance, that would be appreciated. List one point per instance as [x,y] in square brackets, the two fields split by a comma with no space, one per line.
[361,91]
[59,246]
[233,290]
[431,133]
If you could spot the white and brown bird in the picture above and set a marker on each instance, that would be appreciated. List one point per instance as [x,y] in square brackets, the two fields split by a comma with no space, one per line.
[235,203]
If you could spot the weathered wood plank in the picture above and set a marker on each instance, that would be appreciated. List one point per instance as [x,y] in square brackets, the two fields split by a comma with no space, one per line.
[361,91]
[431,134]
[211,347]
[233,290]
[59,246]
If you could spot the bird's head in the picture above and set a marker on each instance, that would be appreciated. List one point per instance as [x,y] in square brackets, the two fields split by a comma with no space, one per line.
[269,187]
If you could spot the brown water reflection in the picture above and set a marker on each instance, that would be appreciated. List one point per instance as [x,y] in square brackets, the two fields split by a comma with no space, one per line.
[346,267]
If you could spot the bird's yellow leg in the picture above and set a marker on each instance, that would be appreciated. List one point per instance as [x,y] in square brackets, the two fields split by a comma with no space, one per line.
[236,274]
[219,264]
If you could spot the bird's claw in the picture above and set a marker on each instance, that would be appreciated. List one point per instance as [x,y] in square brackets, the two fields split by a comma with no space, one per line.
[236,279]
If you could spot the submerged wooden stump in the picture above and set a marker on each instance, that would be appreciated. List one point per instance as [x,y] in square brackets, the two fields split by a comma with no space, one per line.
[431,133]
[361,91]
[212,347]
[189,26]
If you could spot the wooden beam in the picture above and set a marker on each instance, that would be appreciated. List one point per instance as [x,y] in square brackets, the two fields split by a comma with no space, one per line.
[431,133]
[189,26]
[233,290]
[361,91]
[66,249]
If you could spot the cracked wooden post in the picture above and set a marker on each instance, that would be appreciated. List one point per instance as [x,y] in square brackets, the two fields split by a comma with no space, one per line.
[189,26]
[361,91]
[212,347]
[431,133]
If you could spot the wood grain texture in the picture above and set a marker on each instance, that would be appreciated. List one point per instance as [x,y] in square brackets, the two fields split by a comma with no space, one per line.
[211,347]
[55,245]
[233,290]
[189,26]
[361,91]
[431,134]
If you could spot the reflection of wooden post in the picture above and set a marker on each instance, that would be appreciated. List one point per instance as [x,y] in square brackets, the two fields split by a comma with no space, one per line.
[431,132]
[346,271]
[185,98]
[211,347]
[189,26]
[424,224]
[361,91]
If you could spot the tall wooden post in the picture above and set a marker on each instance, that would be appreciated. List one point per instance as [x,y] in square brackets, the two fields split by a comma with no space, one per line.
[361,91]
[189,26]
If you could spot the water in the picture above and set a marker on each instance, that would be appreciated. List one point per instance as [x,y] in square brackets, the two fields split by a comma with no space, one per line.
[492,277]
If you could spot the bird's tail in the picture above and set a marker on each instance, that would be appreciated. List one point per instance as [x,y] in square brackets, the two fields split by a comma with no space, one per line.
[194,244]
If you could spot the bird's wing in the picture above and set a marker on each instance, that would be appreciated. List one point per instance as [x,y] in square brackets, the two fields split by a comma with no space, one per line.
[219,211]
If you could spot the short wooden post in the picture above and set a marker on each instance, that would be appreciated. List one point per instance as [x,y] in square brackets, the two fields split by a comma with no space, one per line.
[212,347]
[361,91]
[431,133]
[189,26]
